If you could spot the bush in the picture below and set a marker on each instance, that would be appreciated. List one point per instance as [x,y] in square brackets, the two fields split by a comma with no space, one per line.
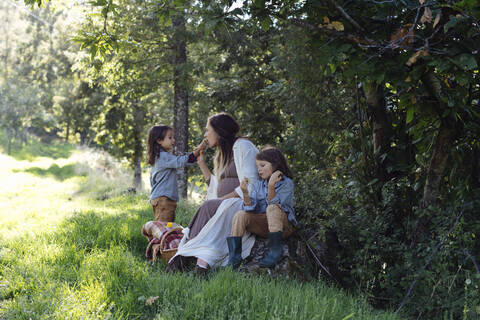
[381,252]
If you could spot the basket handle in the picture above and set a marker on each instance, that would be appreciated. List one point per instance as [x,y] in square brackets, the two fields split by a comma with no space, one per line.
[164,236]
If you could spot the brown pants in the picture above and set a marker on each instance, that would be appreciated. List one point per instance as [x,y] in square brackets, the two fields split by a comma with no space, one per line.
[164,209]
[262,223]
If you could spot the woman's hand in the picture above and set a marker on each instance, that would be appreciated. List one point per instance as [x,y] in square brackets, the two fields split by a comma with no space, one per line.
[244,185]
[201,157]
[274,178]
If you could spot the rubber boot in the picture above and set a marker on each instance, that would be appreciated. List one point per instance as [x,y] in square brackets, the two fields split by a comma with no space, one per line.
[234,251]
[275,253]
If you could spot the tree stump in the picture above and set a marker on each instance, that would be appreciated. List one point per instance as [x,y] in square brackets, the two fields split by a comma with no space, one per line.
[304,258]
[295,263]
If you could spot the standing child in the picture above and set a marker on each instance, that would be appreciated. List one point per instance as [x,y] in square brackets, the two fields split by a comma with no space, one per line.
[267,208]
[163,176]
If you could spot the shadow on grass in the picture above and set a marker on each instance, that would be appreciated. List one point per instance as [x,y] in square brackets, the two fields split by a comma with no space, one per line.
[59,173]
[91,230]
[35,150]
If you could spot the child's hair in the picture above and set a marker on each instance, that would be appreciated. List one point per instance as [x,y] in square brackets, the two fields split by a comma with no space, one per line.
[276,158]
[227,128]
[153,148]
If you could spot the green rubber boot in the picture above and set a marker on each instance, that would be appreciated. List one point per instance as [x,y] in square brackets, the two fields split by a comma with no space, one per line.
[234,251]
[275,254]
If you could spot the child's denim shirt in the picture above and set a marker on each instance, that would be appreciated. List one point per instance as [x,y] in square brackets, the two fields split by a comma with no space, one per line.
[163,176]
[258,192]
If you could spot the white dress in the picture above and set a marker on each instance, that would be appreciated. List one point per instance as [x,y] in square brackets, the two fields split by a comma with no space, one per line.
[210,244]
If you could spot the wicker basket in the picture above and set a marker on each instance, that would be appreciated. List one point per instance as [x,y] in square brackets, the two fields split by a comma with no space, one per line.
[168,253]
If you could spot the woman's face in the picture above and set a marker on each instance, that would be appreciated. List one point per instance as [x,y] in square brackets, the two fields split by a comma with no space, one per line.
[211,136]
[265,169]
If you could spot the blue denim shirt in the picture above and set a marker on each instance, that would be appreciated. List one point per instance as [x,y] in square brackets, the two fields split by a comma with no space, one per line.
[258,192]
[163,176]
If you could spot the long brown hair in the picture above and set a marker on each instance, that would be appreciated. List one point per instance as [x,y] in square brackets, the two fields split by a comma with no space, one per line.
[276,158]
[227,128]
[153,148]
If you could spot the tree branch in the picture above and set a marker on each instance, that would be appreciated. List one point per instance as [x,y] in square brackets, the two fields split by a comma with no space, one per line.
[346,15]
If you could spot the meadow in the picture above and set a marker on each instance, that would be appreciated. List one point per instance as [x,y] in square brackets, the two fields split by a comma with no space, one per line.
[71,248]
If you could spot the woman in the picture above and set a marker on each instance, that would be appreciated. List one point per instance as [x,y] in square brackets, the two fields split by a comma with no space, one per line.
[205,236]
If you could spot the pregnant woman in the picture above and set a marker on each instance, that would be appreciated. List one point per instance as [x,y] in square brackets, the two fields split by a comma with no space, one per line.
[205,236]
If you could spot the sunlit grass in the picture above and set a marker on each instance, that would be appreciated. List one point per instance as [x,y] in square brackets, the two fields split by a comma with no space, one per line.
[71,248]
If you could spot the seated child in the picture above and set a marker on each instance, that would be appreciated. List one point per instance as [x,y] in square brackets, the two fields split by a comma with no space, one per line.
[163,176]
[267,208]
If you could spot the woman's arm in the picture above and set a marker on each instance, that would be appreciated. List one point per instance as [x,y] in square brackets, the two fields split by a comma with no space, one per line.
[232,194]
[207,174]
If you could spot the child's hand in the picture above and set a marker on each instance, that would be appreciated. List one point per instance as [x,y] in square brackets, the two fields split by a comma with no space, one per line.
[244,185]
[274,178]
[201,147]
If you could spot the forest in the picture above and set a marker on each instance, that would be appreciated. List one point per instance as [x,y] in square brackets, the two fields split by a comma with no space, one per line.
[376,104]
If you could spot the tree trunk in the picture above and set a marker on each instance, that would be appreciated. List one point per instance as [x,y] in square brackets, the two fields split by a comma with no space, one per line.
[83,136]
[441,148]
[24,137]
[180,99]
[381,125]
[6,23]
[475,168]
[10,137]
[137,174]
[68,131]
[139,121]
[438,162]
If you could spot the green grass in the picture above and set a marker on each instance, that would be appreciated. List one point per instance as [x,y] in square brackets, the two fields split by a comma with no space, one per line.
[67,254]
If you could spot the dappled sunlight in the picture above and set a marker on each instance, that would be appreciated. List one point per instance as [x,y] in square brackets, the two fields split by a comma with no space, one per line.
[36,195]
[36,151]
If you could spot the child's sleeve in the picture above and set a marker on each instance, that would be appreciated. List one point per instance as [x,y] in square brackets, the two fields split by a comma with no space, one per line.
[168,160]
[283,196]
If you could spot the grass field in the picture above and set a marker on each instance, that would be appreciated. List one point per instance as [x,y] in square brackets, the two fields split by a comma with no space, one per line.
[71,248]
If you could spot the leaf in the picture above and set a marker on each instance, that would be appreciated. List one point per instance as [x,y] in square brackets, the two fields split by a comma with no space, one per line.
[421,1]
[415,56]
[465,61]
[266,23]
[93,52]
[452,22]
[427,15]
[417,186]
[402,36]
[151,300]
[336,25]
[465,5]
[410,113]
[326,20]
[237,12]
[353,313]
[437,19]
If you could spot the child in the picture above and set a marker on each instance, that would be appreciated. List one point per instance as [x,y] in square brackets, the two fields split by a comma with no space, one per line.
[163,176]
[267,208]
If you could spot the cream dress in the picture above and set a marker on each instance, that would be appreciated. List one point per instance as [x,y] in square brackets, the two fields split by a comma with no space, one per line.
[210,243]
